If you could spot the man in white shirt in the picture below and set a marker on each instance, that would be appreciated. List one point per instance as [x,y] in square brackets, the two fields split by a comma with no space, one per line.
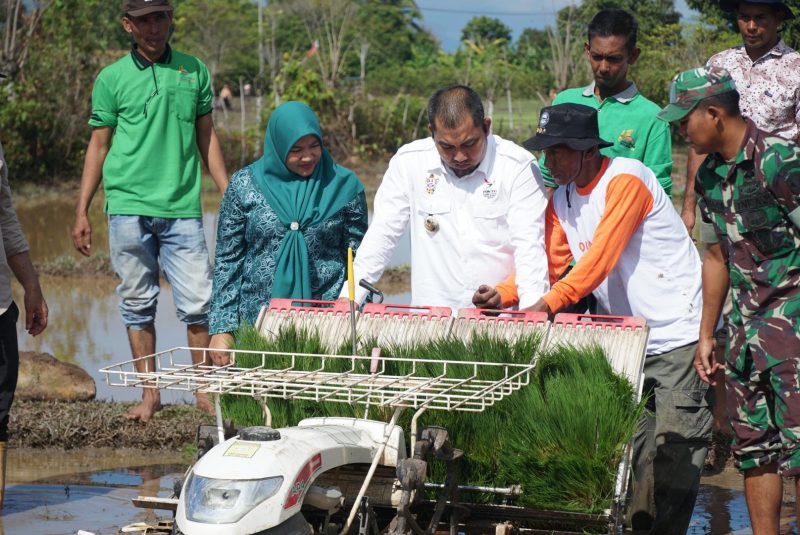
[474,204]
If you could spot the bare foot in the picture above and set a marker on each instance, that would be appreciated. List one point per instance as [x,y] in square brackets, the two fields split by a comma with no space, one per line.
[144,410]
[204,404]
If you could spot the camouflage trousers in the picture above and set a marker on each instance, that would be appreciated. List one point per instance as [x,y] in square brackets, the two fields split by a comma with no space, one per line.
[670,444]
[763,399]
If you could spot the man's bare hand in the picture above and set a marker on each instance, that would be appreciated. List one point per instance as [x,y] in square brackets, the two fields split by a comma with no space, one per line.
[35,312]
[689,219]
[220,341]
[82,234]
[540,306]
[704,362]
[487,297]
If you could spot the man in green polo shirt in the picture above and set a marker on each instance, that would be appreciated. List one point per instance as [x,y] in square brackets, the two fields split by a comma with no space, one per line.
[625,117]
[152,125]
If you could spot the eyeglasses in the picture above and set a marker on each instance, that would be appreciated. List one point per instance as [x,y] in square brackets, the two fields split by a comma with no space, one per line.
[155,91]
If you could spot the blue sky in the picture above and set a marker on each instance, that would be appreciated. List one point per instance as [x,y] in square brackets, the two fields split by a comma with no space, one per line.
[446,18]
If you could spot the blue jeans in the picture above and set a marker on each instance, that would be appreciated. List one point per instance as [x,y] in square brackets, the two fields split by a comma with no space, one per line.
[138,244]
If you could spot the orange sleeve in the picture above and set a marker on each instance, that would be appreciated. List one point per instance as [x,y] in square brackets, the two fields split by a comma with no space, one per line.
[508,291]
[559,254]
[558,257]
[628,202]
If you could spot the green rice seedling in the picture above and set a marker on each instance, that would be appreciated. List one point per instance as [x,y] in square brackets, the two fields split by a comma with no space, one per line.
[480,435]
[569,439]
[246,411]
[561,438]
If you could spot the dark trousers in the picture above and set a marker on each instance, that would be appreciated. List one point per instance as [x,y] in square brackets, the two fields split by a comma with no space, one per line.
[670,445]
[9,365]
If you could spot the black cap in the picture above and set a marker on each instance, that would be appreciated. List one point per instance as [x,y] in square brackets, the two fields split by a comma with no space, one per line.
[140,8]
[778,5]
[573,125]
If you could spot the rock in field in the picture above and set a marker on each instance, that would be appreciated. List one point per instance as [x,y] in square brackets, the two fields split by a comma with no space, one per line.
[44,378]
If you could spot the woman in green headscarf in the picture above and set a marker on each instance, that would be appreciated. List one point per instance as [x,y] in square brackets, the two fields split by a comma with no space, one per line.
[285,224]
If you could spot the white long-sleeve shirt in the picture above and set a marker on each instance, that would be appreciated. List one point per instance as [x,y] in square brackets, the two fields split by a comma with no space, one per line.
[491,222]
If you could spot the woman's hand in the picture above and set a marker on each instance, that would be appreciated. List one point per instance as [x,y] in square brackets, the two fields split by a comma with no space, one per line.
[220,341]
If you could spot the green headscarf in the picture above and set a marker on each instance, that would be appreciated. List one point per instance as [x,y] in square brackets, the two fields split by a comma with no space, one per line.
[296,199]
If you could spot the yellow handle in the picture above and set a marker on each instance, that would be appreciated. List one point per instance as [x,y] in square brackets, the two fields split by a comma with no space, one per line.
[351,282]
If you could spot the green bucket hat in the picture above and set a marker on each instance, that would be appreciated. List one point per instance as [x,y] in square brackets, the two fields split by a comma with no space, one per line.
[690,87]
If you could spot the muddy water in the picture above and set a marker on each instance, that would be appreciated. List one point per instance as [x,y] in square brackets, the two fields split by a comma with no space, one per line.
[59,493]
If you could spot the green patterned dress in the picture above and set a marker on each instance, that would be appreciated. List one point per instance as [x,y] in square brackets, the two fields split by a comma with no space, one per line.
[249,234]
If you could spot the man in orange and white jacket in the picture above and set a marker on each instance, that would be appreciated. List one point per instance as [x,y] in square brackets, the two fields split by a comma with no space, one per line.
[634,255]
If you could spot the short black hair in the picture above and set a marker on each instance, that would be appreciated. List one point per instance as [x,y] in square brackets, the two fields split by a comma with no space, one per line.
[728,101]
[450,104]
[610,22]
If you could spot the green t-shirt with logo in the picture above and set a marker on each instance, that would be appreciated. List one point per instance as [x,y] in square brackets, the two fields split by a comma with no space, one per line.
[628,120]
[153,165]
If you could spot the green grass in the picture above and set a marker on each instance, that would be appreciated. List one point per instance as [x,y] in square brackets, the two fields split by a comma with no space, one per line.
[525,116]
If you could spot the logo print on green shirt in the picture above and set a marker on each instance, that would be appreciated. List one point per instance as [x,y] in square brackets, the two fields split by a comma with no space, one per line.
[626,139]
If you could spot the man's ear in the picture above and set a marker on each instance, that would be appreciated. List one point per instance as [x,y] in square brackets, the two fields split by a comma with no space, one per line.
[634,55]
[430,129]
[715,112]
[126,25]
[487,125]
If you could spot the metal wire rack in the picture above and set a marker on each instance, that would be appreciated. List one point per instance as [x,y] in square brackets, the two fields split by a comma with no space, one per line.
[376,381]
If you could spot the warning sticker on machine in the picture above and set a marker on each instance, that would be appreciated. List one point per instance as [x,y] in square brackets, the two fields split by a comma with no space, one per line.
[241,449]
[302,480]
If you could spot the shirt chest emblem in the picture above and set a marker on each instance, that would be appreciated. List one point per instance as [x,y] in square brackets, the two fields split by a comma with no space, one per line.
[430,184]
[626,140]
[490,192]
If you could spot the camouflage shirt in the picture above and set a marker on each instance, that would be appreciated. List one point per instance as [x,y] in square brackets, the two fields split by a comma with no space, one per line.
[748,201]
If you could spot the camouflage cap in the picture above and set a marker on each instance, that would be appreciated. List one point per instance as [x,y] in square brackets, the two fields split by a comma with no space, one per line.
[690,87]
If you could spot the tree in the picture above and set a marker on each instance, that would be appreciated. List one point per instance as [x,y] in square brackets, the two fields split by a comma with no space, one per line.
[47,101]
[19,21]
[328,24]
[391,28]
[670,49]
[565,49]
[484,29]
[712,15]
[220,32]
[649,14]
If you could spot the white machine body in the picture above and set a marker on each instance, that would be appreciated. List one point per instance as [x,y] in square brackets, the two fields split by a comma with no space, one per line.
[269,479]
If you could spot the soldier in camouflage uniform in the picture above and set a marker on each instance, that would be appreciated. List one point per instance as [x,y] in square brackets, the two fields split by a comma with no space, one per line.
[749,190]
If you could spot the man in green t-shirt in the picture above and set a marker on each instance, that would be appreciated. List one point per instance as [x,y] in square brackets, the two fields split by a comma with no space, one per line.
[625,117]
[151,119]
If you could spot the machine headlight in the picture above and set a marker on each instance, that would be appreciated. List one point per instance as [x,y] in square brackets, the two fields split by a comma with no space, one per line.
[223,501]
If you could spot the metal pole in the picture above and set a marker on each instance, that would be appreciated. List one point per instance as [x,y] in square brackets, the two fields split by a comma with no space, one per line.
[373,466]
[220,426]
